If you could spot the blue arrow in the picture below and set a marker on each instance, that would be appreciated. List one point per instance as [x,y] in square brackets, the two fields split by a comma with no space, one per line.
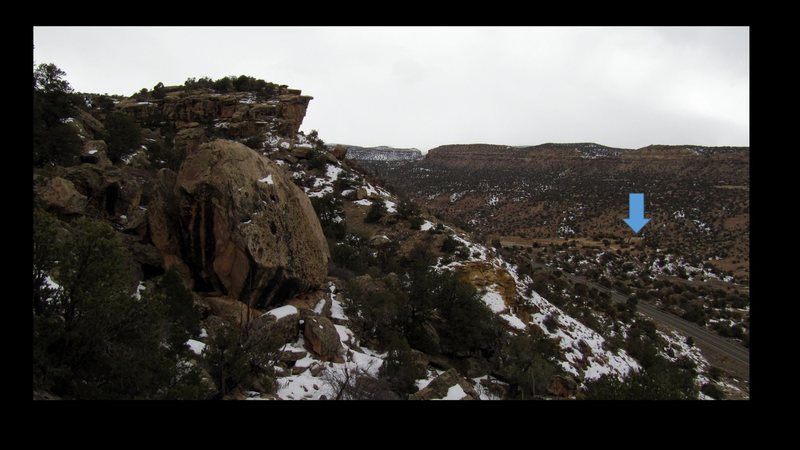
[636,218]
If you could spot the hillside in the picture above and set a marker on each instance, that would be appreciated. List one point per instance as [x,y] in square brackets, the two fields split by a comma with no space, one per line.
[217,253]
[382,153]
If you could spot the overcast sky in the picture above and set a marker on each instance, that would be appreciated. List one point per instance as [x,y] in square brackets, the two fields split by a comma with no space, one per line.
[425,87]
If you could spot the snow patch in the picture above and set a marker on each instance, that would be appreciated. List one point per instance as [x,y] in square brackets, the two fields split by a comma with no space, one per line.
[283,311]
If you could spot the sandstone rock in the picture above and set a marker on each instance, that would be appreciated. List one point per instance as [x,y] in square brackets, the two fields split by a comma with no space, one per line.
[292,356]
[499,390]
[340,152]
[301,152]
[439,387]
[279,323]
[139,160]
[95,152]
[165,229]
[188,140]
[59,195]
[93,127]
[44,395]
[291,110]
[143,254]
[316,369]
[379,240]
[361,194]
[112,191]
[474,367]
[245,228]
[230,309]
[562,386]
[135,222]
[331,158]
[322,336]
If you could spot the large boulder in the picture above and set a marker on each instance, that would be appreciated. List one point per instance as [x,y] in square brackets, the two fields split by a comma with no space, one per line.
[321,335]
[449,385]
[245,229]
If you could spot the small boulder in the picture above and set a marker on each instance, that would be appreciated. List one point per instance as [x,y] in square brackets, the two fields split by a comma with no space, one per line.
[59,195]
[444,386]
[322,336]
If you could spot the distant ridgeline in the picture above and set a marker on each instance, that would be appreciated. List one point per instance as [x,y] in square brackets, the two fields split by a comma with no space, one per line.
[382,153]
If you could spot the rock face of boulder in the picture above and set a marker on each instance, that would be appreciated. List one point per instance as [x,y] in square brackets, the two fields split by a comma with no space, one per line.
[244,228]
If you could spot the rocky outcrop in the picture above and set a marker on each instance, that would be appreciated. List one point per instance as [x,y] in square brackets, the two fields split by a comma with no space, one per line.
[323,338]
[242,227]
[111,191]
[447,386]
[233,115]
[382,153]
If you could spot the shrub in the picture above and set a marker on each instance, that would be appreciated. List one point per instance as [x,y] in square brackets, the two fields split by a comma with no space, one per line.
[92,331]
[711,390]
[376,211]
[123,135]
[416,222]
[450,244]
[331,216]
[317,159]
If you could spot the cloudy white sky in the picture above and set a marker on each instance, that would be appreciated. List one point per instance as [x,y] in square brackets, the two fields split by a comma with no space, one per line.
[424,87]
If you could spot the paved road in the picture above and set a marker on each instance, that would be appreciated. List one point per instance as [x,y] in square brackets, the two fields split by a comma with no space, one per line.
[719,351]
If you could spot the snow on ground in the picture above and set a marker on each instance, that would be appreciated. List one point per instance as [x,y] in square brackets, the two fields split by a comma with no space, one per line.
[422,383]
[680,348]
[337,312]
[267,179]
[196,347]
[325,191]
[283,311]
[514,321]
[139,289]
[391,206]
[494,300]
[363,202]
[307,386]
[332,172]
[483,391]
[426,226]
[455,392]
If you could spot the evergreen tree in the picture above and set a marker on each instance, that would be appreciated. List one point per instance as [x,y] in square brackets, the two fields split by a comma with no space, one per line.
[123,135]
